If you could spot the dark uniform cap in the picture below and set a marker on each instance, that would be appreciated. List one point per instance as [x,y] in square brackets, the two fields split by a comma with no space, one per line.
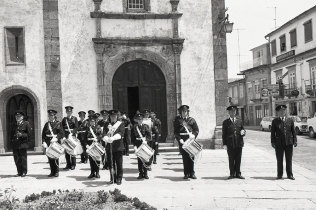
[184,107]
[96,115]
[92,117]
[113,112]
[52,112]
[138,116]
[91,112]
[19,112]
[103,112]
[231,107]
[69,108]
[280,107]
[81,113]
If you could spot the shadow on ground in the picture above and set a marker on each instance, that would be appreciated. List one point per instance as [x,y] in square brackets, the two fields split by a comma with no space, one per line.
[174,179]
[263,178]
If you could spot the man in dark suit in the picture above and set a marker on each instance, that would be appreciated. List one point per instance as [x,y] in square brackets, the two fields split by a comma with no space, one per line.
[283,137]
[232,134]
[113,136]
[82,128]
[20,137]
[185,127]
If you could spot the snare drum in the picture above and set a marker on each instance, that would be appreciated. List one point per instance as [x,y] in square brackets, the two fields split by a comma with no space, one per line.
[54,151]
[192,147]
[144,152]
[70,144]
[95,151]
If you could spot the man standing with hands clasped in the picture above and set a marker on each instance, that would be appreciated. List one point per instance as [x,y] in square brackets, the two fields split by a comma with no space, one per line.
[233,133]
[283,138]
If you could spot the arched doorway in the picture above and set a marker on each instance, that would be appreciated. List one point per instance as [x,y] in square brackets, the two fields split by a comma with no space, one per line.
[24,103]
[139,85]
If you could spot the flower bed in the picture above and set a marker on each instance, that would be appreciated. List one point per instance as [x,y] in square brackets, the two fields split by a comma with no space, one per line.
[71,200]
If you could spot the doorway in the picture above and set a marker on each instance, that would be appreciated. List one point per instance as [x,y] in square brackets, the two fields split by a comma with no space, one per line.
[19,102]
[139,85]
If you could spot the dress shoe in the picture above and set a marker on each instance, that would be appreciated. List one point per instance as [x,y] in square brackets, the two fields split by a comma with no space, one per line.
[230,177]
[149,168]
[72,167]
[23,175]
[66,169]
[146,176]
[140,176]
[18,174]
[127,154]
[154,162]
[291,177]
[91,176]
[279,177]
[56,175]
[85,161]
[193,176]
[240,177]
[186,176]
[50,175]
[119,182]
[97,175]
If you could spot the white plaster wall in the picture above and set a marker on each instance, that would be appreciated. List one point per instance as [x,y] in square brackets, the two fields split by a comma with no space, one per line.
[27,14]
[301,45]
[136,28]
[78,58]
[197,72]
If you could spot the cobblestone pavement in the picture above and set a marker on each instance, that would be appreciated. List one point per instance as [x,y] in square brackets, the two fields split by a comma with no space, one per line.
[166,188]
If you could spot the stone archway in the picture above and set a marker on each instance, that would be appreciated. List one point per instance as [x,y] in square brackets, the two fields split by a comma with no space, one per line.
[165,55]
[7,95]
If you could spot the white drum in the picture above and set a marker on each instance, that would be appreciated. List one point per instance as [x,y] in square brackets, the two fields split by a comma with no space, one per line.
[95,151]
[144,152]
[192,147]
[55,150]
[70,144]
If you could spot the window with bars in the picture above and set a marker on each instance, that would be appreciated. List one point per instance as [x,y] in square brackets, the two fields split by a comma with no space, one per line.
[137,5]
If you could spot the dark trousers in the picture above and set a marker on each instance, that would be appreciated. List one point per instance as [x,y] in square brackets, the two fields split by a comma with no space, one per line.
[126,141]
[54,165]
[279,151]
[141,168]
[116,165]
[153,146]
[94,165]
[234,158]
[84,155]
[20,159]
[188,163]
[70,160]
[104,157]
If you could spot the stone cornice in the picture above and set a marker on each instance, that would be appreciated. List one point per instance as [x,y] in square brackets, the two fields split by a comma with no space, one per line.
[138,41]
[96,14]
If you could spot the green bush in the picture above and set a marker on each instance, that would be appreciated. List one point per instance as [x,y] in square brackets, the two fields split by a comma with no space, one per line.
[102,197]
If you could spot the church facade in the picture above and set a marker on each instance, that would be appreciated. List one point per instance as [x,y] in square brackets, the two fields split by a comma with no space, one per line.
[124,54]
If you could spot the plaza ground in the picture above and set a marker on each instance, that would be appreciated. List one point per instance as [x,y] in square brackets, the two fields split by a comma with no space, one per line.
[166,188]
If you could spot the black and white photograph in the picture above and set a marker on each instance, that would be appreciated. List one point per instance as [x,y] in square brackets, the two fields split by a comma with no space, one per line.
[157,104]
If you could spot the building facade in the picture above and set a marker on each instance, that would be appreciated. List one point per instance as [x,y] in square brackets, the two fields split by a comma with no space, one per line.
[293,64]
[127,55]
[257,80]
[237,96]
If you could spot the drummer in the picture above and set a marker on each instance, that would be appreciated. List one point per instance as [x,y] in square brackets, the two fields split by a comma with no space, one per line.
[140,134]
[91,136]
[182,124]
[71,122]
[104,122]
[52,129]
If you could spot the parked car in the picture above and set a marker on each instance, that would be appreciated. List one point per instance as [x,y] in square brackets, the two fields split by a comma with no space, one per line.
[300,124]
[266,123]
[311,123]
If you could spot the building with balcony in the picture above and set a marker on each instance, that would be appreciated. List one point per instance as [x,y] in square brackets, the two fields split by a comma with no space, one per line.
[237,96]
[293,64]
[257,82]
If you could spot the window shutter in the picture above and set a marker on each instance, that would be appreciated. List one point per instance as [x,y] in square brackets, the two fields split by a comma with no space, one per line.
[147,5]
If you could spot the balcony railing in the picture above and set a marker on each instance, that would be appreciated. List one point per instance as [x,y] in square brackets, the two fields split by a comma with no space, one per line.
[310,87]
[253,63]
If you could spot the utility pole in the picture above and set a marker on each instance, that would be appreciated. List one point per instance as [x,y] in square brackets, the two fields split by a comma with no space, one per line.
[238,29]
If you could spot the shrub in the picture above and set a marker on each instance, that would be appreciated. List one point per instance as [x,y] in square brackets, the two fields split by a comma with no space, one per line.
[118,196]
[102,197]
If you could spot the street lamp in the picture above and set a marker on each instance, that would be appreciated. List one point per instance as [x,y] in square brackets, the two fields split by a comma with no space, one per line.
[228,26]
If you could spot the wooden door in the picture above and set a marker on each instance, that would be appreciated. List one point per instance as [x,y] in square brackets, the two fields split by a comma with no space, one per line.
[150,82]
[23,103]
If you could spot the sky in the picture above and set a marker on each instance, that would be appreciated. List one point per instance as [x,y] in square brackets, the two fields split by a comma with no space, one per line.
[253,19]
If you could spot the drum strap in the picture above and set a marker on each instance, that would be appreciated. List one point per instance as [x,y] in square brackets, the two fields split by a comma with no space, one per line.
[67,125]
[94,136]
[185,127]
[139,133]
[113,128]
[50,129]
